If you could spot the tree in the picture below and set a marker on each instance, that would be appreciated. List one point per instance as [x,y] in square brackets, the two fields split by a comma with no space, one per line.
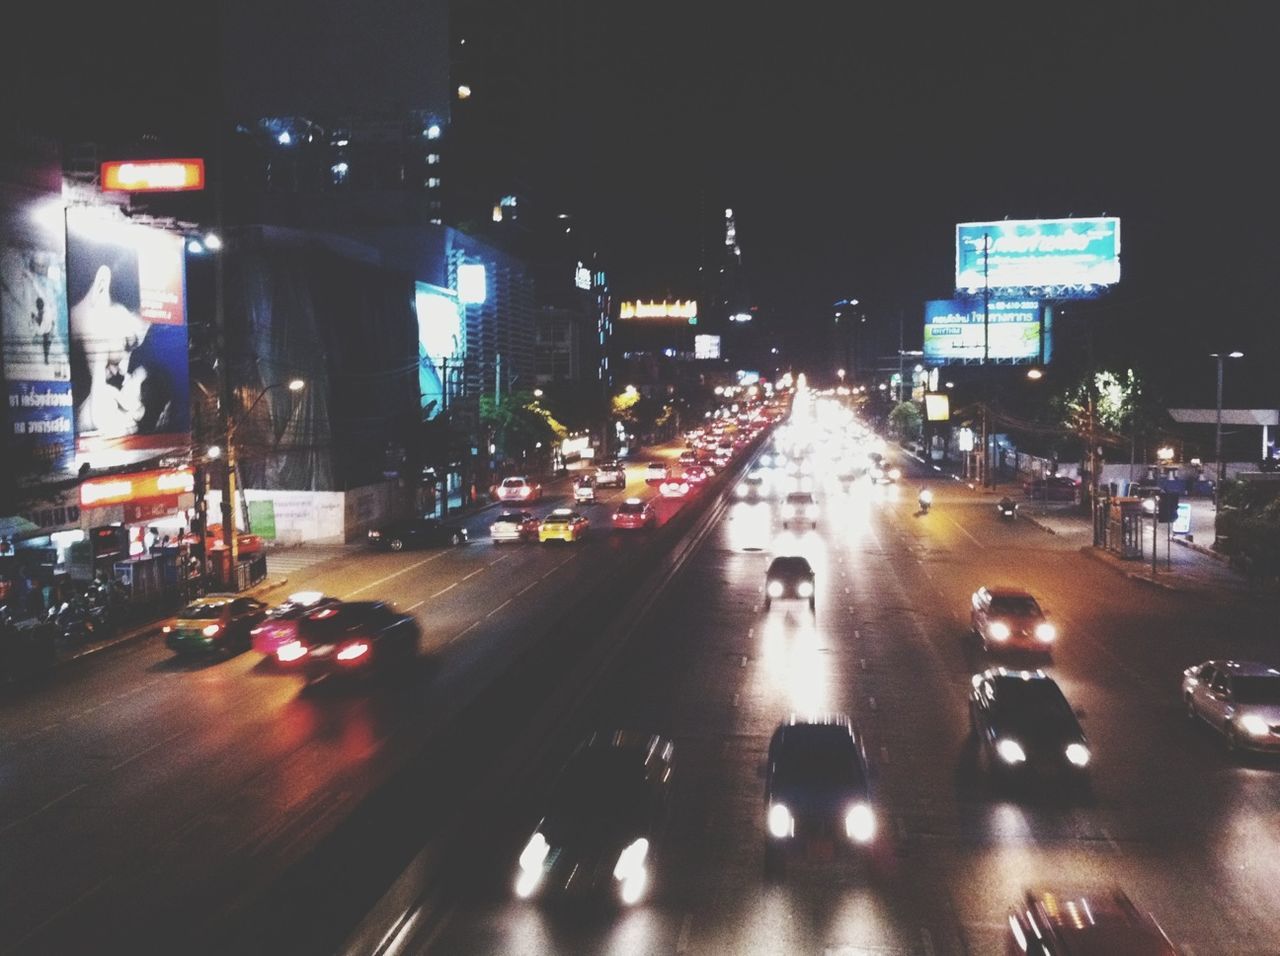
[905,422]
[518,422]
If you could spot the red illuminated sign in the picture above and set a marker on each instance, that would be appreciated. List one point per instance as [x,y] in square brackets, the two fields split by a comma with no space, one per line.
[153,175]
[136,488]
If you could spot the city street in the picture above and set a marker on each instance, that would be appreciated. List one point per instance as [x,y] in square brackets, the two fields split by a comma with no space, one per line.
[140,787]
[1185,829]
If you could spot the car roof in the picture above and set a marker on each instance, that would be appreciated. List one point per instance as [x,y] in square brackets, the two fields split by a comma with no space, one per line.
[1246,668]
[784,561]
[1097,921]
[1002,591]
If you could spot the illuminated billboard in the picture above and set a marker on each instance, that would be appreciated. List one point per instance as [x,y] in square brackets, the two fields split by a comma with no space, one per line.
[441,342]
[153,175]
[953,331]
[1038,253]
[706,346]
[937,407]
[682,311]
[127,312]
[473,283]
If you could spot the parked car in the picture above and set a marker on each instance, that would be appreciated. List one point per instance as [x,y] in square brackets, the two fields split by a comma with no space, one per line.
[417,533]
[611,474]
[280,625]
[518,489]
[514,526]
[1239,699]
[353,639]
[1048,923]
[1054,488]
[218,624]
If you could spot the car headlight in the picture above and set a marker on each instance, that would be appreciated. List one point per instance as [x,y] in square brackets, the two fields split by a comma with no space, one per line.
[781,825]
[1254,725]
[210,630]
[775,589]
[631,860]
[742,491]
[1011,751]
[860,823]
[805,589]
[534,853]
[999,631]
[1046,632]
[895,473]
[1078,754]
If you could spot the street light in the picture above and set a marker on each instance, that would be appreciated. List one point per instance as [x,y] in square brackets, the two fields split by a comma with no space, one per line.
[537,393]
[1217,437]
[1035,374]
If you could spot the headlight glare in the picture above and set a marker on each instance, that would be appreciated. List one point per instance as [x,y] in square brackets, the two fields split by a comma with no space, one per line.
[999,631]
[534,853]
[1046,632]
[1254,725]
[1078,754]
[860,823]
[631,860]
[781,825]
[805,589]
[775,589]
[1011,751]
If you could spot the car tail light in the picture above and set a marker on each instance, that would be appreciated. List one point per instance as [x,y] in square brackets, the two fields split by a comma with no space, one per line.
[523,492]
[354,651]
[292,651]
[211,629]
[166,629]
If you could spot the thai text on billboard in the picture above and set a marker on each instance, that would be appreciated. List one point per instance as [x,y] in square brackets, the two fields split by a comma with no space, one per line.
[954,331]
[1038,253]
[441,344]
[680,310]
[126,295]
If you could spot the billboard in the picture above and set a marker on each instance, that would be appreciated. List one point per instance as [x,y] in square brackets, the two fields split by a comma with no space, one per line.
[953,331]
[1036,253]
[127,317]
[680,310]
[937,407]
[441,340]
[706,346]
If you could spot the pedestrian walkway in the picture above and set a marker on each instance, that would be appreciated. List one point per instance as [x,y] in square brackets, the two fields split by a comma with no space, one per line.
[286,562]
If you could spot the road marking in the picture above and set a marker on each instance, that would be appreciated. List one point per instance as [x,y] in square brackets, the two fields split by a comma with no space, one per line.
[146,750]
[862,663]
[926,938]
[406,570]
[743,662]
[735,699]
[871,702]
[1106,834]
[499,607]
[884,754]
[418,605]
[965,531]
[472,574]
[499,561]
[686,927]
[443,590]
[527,587]
[469,627]
[51,803]
[857,635]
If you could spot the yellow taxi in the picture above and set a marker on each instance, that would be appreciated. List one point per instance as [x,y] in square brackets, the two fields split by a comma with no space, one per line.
[562,524]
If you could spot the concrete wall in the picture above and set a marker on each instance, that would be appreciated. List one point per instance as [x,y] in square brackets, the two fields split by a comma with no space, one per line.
[326,517]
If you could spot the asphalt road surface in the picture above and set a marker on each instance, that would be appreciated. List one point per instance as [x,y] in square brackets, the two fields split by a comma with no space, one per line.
[1188,831]
[138,790]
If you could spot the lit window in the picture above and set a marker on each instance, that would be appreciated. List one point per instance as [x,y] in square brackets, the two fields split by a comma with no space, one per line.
[464,92]
[339,172]
[497,213]
[433,182]
[433,159]
[432,131]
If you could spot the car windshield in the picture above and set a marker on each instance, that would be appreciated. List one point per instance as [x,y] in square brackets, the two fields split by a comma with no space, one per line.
[1256,690]
[790,567]
[1032,698]
[512,482]
[509,517]
[631,508]
[600,782]
[196,612]
[799,498]
[818,756]
[1015,606]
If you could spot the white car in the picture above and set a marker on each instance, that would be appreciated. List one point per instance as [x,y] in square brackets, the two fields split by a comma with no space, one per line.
[656,471]
[518,489]
[799,506]
[1240,699]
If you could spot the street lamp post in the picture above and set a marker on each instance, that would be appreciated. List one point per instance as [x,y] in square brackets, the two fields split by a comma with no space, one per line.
[1217,436]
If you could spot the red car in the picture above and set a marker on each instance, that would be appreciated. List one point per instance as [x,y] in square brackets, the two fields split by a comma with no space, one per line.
[696,474]
[674,488]
[635,515]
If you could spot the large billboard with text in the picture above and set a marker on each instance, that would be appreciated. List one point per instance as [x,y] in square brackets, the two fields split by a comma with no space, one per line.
[441,343]
[1038,253]
[954,331]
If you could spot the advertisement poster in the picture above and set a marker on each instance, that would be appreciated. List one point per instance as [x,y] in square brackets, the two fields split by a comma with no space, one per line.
[37,368]
[1036,253]
[954,331]
[441,344]
[128,337]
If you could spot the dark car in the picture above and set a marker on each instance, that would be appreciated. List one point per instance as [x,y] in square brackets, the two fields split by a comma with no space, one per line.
[604,821]
[417,533]
[356,638]
[817,792]
[219,623]
[1023,724]
[790,577]
[1054,488]
[1101,923]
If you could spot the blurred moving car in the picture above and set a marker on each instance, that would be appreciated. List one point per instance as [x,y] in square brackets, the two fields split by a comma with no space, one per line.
[246,543]
[656,471]
[698,474]
[688,457]
[634,514]
[799,507]
[280,626]
[219,623]
[674,488]
[1239,699]
[881,473]
[610,474]
[789,577]
[513,526]
[817,793]
[584,490]
[752,487]
[1023,724]
[518,489]
[1098,923]
[356,638]
[1010,619]
[604,822]
[1054,488]
[562,525]
[417,533]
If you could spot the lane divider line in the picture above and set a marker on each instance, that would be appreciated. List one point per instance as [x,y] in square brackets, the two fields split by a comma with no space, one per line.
[444,589]
[472,626]
[404,570]
[499,607]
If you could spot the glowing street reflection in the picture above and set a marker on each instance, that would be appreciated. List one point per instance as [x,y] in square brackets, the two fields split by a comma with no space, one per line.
[797,663]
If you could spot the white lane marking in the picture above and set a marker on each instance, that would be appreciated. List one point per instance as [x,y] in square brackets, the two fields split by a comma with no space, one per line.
[472,574]
[735,699]
[413,607]
[686,927]
[527,587]
[862,663]
[146,750]
[871,702]
[857,635]
[499,607]
[499,561]
[1106,834]
[30,816]
[405,570]
[743,662]
[470,627]
[443,590]
[965,531]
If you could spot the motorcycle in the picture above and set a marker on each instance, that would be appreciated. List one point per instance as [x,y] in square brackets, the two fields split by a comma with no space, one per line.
[925,500]
[1008,508]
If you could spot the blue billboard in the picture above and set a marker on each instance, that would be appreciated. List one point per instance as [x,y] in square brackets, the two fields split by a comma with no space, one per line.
[1038,253]
[954,331]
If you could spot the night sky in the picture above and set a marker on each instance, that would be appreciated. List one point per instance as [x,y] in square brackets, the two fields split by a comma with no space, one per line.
[849,139]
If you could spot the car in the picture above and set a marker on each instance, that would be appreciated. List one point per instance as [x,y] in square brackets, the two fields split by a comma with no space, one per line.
[697,474]
[674,488]
[635,514]
[1023,725]
[1239,699]
[881,473]
[280,625]
[518,489]
[752,487]
[656,472]
[584,490]
[688,458]
[562,525]
[246,543]
[790,577]
[604,823]
[417,533]
[1010,619]
[217,624]
[513,526]
[611,474]
[1054,488]
[353,639]
[799,506]
[1100,922]
[818,799]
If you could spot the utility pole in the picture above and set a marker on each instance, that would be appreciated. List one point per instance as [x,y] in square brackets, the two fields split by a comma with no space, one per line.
[986,355]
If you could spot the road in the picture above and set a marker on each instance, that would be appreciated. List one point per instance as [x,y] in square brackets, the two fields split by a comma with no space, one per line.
[1188,832]
[137,789]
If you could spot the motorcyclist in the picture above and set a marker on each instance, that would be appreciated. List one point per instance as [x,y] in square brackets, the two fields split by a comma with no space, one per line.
[925,499]
[1007,506]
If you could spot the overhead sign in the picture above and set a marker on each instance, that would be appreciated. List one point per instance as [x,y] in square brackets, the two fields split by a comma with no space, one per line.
[1036,253]
[441,342]
[686,310]
[937,406]
[954,331]
[137,488]
[706,346]
[582,277]
[153,175]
